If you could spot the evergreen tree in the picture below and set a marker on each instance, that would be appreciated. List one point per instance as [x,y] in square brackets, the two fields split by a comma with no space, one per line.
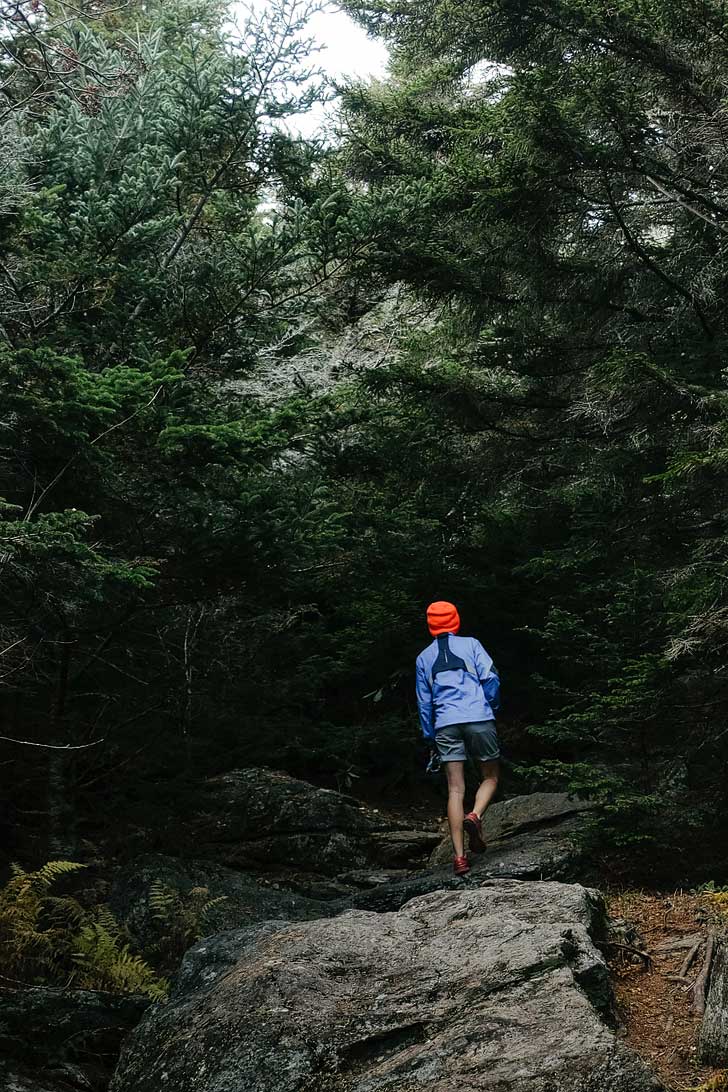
[154,247]
[564,184]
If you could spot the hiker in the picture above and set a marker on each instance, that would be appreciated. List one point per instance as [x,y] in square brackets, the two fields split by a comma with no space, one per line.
[457,697]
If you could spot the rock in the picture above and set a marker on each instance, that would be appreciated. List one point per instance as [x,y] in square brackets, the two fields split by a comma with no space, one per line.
[316,887]
[56,1040]
[327,852]
[533,836]
[366,878]
[246,900]
[263,819]
[534,809]
[402,847]
[384,898]
[498,988]
[542,853]
[18,1080]
[245,804]
[395,894]
[713,1046]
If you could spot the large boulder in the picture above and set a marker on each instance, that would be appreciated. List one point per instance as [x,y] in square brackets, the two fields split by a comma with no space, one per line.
[263,819]
[529,837]
[245,900]
[56,1040]
[499,988]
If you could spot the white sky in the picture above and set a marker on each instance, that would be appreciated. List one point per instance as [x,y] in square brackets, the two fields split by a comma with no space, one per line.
[347,50]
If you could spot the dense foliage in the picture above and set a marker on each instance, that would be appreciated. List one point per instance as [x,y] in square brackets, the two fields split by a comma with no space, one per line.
[210,556]
[570,165]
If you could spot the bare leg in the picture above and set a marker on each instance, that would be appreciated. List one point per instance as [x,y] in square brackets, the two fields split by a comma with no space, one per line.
[488,785]
[455,796]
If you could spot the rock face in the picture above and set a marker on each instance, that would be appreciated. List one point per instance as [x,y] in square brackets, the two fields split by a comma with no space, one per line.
[246,900]
[56,1040]
[261,819]
[498,988]
[714,1030]
[530,837]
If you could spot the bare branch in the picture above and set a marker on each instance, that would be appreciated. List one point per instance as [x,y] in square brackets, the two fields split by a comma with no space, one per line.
[53,746]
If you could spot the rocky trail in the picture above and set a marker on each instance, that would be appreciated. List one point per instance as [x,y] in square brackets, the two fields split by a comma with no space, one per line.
[344,956]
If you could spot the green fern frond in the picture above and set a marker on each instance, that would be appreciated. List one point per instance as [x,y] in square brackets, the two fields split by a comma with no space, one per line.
[184,919]
[66,910]
[211,904]
[163,901]
[45,938]
[52,871]
[106,919]
[104,962]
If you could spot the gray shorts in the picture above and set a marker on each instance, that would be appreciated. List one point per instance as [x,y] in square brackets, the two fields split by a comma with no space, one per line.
[479,740]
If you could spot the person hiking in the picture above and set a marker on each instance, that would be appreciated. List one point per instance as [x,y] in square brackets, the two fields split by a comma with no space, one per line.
[457,698]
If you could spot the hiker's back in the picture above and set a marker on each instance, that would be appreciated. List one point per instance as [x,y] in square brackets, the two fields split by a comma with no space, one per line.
[455,668]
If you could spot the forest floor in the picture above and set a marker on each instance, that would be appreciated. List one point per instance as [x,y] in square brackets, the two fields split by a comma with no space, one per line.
[654,1009]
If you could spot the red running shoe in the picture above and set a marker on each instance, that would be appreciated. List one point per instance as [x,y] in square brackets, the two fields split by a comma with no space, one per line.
[474,830]
[461,866]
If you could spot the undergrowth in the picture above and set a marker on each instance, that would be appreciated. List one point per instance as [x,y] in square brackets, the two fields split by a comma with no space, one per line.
[180,920]
[49,939]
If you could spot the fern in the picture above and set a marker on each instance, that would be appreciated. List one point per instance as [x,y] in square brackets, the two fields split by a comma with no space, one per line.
[106,920]
[52,939]
[35,927]
[46,876]
[104,961]
[210,905]
[164,901]
[718,1083]
[182,919]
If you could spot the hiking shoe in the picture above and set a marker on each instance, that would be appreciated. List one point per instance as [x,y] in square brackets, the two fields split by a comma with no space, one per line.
[461,866]
[474,830]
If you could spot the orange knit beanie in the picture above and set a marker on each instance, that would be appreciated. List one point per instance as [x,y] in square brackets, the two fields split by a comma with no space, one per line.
[442,618]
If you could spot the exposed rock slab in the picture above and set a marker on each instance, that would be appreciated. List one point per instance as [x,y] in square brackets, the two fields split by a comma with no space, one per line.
[714,1031]
[543,853]
[246,900]
[533,836]
[533,809]
[402,847]
[498,988]
[263,819]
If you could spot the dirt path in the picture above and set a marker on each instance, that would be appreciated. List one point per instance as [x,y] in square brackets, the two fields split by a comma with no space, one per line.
[655,1009]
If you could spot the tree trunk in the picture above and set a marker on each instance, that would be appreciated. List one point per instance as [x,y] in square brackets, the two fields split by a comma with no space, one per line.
[714,1032]
[61,811]
[61,842]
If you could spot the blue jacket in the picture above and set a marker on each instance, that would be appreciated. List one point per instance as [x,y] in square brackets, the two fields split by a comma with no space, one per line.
[456,684]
